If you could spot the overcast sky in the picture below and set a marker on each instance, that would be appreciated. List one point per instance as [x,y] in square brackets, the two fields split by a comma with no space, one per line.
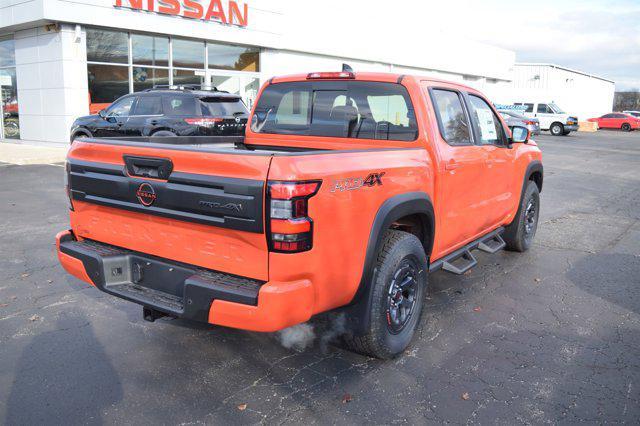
[594,36]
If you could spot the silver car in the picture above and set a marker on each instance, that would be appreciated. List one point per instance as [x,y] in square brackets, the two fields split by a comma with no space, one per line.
[515,119]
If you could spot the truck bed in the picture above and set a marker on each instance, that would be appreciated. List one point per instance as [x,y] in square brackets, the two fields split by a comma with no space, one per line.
[220,144]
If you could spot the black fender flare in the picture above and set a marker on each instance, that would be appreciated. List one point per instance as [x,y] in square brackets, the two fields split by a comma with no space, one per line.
[532,167]
[394,208]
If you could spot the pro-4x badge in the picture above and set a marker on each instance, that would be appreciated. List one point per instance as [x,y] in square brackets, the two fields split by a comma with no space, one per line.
[349,184]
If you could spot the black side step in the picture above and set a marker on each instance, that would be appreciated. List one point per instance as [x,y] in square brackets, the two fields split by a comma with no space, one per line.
[461,260]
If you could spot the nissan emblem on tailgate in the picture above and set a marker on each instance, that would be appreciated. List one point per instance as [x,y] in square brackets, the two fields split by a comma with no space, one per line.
[146,194]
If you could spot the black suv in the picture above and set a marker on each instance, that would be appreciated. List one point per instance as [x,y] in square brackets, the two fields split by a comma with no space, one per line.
[167,112]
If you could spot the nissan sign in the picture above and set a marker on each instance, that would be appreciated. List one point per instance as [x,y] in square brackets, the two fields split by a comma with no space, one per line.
[208,10]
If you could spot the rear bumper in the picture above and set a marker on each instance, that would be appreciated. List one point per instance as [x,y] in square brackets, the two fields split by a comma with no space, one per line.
[186,291]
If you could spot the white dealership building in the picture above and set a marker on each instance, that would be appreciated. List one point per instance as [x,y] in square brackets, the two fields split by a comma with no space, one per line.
[60,59]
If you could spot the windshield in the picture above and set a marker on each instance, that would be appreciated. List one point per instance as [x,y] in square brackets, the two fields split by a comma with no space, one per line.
[220,107]
[345,109]
[556,108]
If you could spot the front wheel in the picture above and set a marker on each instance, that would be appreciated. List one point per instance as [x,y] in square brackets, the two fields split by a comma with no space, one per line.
[556,129]
[519,234]
[398,293]
[626,127]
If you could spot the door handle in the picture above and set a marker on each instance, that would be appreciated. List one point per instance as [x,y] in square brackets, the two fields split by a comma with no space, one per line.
[451,165]
[154,122]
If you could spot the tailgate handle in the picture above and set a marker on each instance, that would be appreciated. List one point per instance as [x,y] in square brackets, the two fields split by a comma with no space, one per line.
[157,168]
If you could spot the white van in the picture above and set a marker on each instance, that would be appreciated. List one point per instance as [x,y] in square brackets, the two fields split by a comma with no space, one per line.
[551,117]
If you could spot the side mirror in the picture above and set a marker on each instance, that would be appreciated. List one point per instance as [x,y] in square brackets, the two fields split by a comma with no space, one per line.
[102,113]
[519,134]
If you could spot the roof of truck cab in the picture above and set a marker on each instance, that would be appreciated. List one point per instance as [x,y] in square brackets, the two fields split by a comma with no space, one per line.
[369,76]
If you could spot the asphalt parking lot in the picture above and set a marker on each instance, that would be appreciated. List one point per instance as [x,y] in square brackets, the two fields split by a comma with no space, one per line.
[549,336]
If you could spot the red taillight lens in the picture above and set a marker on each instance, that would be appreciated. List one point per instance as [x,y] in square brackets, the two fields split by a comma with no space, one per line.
[530,123]
[291,229]
[204,121]
[330,75]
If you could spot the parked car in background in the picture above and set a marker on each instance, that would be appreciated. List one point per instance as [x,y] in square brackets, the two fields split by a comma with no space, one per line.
[551,117]
[167,112]
[634,113]
[617,120]
[514,119]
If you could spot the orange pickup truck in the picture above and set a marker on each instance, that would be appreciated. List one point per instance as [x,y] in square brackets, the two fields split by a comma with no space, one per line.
[346,191]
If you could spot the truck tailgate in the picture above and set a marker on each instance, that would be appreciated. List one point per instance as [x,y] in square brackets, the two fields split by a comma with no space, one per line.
[198,207]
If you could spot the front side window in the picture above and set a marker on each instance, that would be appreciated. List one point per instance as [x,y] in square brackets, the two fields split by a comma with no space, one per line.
[148,105]
[556,109]
[452,119]
[121,108]
[608,116]
[487,123]
[544,109]
[349,109]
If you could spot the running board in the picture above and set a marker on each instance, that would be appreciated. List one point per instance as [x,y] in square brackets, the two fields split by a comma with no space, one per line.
[461,260]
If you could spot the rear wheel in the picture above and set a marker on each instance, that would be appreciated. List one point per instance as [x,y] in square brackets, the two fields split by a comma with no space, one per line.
[519,234]
[398,291]
[556,129]
[626,127]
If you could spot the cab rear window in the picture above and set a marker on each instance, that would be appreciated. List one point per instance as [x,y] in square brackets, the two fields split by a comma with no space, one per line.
[343,109]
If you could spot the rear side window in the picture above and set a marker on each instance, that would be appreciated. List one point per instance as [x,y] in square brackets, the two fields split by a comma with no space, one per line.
[345,109]
[148,105]
[179,105]
[529,107]
[222,107]
[452,120]
[487,123]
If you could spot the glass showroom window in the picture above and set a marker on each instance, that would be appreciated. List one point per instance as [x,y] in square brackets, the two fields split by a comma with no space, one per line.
[9,116]
[152,51]
[237,58]
[107,67]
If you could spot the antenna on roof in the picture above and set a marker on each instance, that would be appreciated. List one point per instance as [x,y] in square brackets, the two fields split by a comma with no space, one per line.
[346,68]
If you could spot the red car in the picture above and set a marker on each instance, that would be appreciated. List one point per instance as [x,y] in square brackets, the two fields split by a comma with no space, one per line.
[617,120]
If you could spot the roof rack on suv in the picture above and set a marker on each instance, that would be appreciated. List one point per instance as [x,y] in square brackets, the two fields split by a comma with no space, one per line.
[183,87]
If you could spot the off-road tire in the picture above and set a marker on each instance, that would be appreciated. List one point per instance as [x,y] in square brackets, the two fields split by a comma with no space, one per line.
[515,235]
[626,127]
[556,129]
[396,250]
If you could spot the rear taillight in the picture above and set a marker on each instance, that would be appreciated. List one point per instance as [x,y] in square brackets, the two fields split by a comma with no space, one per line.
[530,123]
[291,228]
[67,184]
[204,121]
